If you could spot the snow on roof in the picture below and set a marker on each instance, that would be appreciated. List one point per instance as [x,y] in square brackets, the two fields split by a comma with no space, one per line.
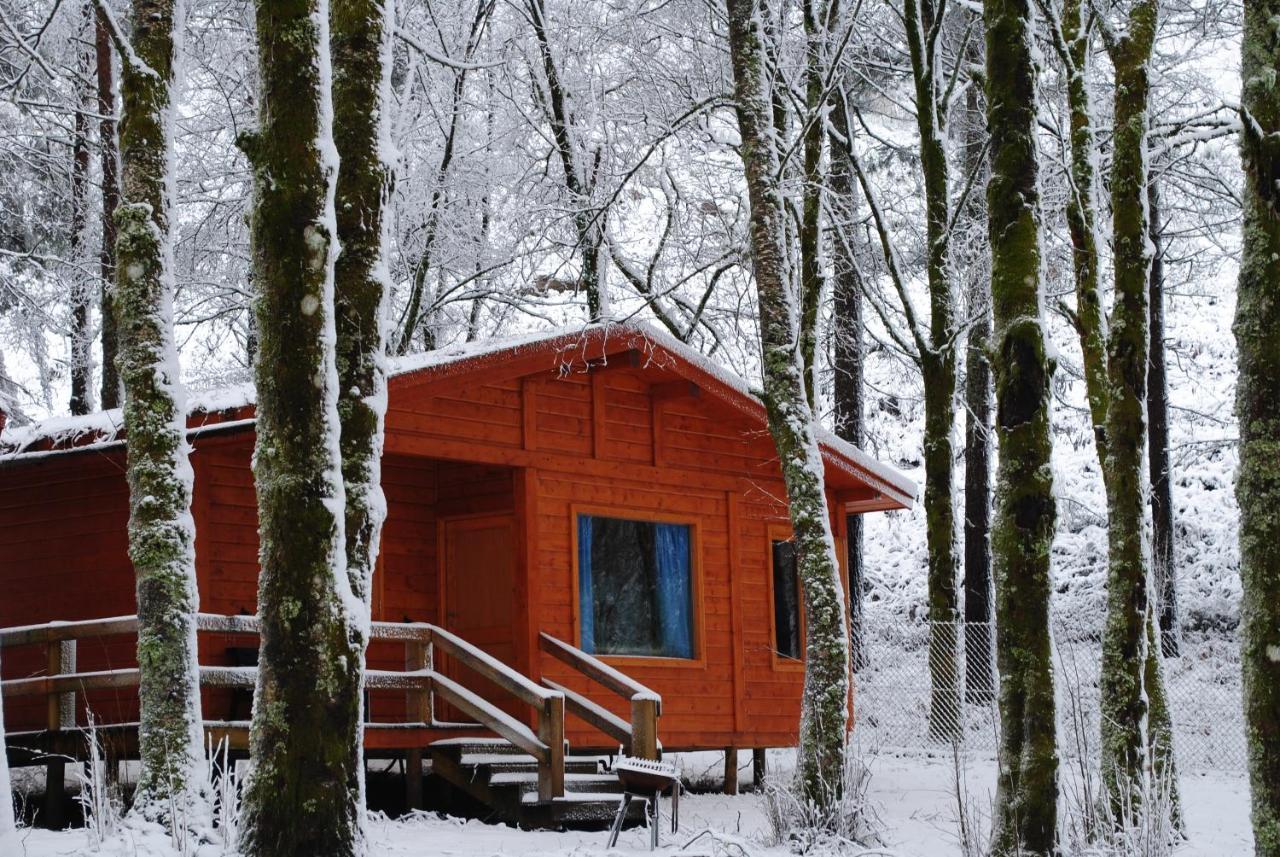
[105,427]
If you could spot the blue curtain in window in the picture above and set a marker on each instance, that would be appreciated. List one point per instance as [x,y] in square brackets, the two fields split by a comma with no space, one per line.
[673,590]
[586,603]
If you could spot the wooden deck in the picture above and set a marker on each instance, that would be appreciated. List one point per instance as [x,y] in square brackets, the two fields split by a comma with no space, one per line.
[507,713]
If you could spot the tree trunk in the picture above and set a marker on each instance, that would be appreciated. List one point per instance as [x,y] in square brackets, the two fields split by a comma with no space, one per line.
[938,368]
[589,224]
[1258,410]
[8,836]
[824,713]
[361,42]
[161,530]
[1025,814]
[1166,582]
[304,795]
[847,342]
[980,669]
[110,394]
[81,338]
[1128,683]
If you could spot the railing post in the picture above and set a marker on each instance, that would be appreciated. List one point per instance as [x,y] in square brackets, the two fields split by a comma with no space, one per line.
[551,733]
[644,727]
[417,710]
[61,715]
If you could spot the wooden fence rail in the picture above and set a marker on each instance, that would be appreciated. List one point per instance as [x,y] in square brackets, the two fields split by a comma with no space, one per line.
[420,681]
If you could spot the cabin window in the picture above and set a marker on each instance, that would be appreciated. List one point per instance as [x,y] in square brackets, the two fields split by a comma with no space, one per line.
[635,587]
[786,601]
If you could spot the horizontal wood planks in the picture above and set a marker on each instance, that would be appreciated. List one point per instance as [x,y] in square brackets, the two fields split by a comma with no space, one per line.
[633,439]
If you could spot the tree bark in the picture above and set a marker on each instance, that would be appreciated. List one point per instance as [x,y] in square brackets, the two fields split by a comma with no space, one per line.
[81,339]
[110,165]
[824,713]
[1025,814]
[361,42]
[1129,684]
[1166,582]
[847,336]
[980,669]
[305,739]
[1258,409]
[161,530]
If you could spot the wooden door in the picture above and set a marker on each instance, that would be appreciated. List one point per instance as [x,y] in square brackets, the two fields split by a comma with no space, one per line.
[477,571]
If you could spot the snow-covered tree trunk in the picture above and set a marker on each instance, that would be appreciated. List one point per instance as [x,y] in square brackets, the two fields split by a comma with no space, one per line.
[824,714]
[1258,409]
[360,36]
[81,328]
[161,529]
[8,836]
[1131,684]
[847,337]
[108,154]
[1025,815]
[923,23]
[304,794]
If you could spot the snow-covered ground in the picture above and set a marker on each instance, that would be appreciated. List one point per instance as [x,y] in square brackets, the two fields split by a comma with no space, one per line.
[912,795]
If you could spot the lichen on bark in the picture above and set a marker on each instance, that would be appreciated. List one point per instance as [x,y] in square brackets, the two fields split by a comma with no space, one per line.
[1025,815]
[1258,410]
[161,530]
[304,795]
[824,714]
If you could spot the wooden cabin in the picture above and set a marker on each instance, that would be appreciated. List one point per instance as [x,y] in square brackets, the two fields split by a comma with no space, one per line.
[607,489]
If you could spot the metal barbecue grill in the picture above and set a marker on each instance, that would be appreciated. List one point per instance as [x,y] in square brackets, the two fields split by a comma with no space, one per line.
[646,780]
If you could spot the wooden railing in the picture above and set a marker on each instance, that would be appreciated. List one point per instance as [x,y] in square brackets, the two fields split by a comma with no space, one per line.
[420,681]
[640,736]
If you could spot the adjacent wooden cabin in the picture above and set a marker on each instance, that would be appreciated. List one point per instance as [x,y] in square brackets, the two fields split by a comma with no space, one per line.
[607,487]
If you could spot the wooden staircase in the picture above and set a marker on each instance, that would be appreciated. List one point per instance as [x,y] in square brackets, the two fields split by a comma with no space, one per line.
[523,773]
[505,780]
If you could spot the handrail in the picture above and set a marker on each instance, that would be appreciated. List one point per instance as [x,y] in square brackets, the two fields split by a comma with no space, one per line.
[594,668]
[420,680]
[595,714]
[646,706]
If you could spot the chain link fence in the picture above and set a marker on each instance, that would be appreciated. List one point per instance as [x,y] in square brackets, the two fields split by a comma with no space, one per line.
[898,708]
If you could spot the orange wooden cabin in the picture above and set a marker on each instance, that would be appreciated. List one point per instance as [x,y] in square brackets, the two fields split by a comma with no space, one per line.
[608,486]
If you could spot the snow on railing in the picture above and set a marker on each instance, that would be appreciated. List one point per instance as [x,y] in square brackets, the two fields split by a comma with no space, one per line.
[420,681]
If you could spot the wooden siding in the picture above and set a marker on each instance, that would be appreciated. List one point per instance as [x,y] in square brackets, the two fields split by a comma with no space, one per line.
[635,440]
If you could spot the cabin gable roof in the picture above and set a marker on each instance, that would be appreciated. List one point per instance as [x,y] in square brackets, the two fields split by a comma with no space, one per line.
[579,349]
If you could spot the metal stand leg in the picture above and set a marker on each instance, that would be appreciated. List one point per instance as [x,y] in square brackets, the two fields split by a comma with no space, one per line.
[618,819]
[653,821]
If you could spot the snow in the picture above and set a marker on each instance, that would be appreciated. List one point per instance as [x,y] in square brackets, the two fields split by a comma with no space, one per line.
[913,798]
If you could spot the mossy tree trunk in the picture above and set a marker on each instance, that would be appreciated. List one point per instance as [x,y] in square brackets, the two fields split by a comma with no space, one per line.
[161,530]
[1131,686]
[305,790]
[1258,409]
[1115,369]
[937,354]
[1025,814]
[824,714]
[81,293]
[361,42]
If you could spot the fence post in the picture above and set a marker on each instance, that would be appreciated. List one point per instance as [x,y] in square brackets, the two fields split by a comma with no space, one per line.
[551,733]
[61,715]
[644,727]
[417,710]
